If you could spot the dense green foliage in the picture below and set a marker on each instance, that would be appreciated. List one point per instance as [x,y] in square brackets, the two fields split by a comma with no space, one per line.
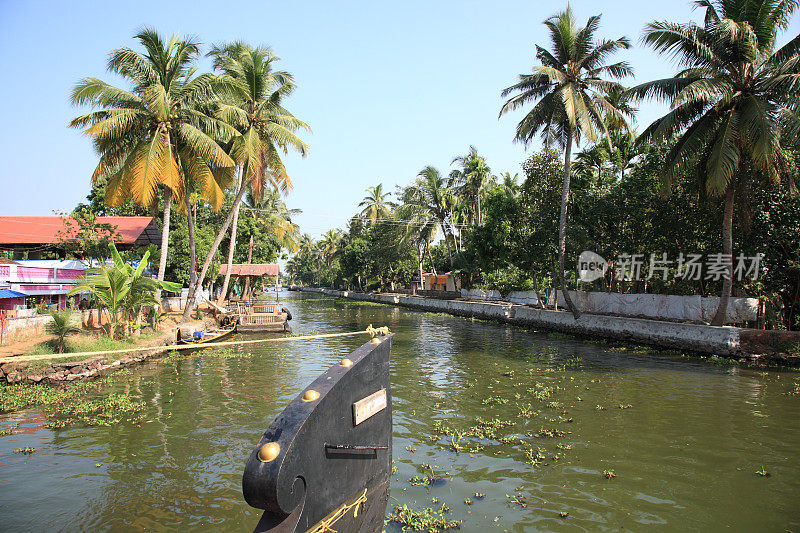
[515,248]
[122,290]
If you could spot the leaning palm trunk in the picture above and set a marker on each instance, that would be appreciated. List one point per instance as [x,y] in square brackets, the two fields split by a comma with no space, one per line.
[562,226]
[727,251]
[212,251]
[234,226]
[162,262]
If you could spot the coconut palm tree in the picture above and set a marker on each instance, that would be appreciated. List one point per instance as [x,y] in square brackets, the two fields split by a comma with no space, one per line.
[727,102]
[156,134]
[252,95]
[430,198]
[421,227]
[569,89]
[64,324]
[375,204]
[470,181]
[510,183]
[591,162]
[270,214]
[330,245]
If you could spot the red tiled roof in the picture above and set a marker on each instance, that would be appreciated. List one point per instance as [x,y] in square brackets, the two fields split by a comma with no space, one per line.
[265,269]
[47,230]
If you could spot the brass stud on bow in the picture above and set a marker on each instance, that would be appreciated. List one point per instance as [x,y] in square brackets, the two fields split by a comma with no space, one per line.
[310,395]
[346,363]
[268,452]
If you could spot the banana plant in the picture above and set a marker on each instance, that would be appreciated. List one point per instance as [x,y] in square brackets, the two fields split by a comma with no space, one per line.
[121,289]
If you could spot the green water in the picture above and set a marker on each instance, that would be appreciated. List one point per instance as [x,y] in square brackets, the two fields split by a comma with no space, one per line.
[684,452]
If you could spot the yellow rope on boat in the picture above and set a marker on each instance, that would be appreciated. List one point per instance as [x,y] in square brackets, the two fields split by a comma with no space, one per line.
[324,526]
[377,331]
[24,358]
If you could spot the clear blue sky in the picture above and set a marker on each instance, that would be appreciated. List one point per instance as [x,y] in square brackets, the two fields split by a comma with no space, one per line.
[387,88]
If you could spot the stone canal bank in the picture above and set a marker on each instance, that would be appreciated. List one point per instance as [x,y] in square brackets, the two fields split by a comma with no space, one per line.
[768,346]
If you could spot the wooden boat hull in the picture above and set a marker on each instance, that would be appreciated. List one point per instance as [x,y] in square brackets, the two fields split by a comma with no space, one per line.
[258,316]
[324,464]
[207,340]
[270,327]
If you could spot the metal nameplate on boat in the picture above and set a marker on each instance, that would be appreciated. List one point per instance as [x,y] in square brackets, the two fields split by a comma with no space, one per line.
[367,407]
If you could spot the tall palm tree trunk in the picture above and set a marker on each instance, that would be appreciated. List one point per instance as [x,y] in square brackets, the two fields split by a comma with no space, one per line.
[234,226]
[420,252]
[213,250]
[727,250]
[192,255]
[447,241]
[562,225]
[162,261]
[249,260]
[430,256]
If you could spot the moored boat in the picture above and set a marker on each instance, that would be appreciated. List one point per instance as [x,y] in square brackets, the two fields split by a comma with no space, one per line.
[259,316]
[206,336]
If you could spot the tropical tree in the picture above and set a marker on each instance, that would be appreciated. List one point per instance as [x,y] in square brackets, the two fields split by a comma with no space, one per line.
[469,182]
[156,134]
[271,215]
[421,229]
[63,325]
[510,183]
[252,95]
[271,221]
[121,289]
[728,102]
[569,89]
[330,245]
[591,162]
[376,204]
[430,198]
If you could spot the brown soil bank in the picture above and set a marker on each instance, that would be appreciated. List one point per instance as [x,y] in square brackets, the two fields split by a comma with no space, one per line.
[74,367]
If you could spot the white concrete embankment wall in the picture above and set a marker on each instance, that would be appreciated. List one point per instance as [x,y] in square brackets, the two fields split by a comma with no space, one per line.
[692,337]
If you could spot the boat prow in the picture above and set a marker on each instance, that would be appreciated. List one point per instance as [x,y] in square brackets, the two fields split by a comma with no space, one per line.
[324,464]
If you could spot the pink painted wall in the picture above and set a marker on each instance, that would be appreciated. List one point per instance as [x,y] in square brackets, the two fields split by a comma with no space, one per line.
[9,303]
[35,272]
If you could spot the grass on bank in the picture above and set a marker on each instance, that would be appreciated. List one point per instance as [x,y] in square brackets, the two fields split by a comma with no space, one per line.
[84,342]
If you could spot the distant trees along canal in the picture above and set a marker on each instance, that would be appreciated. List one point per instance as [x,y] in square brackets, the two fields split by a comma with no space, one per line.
[724,156]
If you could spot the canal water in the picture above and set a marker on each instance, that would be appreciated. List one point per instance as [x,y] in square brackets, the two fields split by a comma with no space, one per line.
[534,423]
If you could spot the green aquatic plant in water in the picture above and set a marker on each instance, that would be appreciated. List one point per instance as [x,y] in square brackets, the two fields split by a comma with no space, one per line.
[425,520]
[27,450]
[8,431]
[83,403]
